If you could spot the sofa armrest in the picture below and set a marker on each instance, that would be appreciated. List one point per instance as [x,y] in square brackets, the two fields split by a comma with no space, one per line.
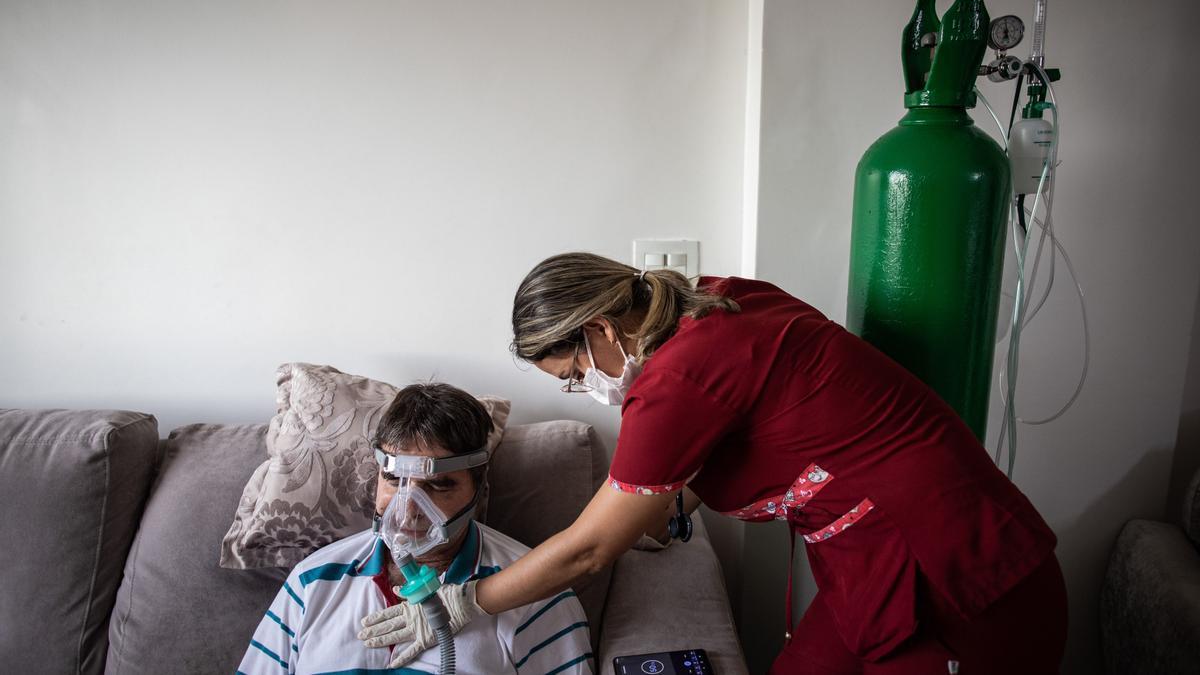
[1150,601]
[669,600]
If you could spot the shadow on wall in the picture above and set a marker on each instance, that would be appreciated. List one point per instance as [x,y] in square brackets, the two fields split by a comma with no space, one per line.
[1084,548]
[1187,443]
[761,623]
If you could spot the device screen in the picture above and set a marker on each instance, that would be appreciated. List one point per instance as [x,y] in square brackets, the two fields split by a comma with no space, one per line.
[686,662]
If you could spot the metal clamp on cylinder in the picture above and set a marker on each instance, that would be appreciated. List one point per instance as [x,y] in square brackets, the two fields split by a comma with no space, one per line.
[1003,69]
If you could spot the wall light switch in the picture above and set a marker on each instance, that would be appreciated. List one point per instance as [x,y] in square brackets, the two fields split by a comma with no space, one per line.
[654,261]
[681,255]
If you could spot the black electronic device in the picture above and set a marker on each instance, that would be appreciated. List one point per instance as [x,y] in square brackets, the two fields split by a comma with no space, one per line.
[684,662]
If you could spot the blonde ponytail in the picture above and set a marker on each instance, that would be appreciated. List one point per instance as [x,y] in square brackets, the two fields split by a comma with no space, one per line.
[564,292]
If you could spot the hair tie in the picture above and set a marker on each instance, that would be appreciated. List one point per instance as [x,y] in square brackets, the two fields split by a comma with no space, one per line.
[642,277]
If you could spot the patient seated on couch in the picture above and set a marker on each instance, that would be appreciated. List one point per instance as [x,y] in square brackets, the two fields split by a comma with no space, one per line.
[314,621]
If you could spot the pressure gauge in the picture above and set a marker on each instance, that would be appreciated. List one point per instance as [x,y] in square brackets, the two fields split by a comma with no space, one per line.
[1006,32]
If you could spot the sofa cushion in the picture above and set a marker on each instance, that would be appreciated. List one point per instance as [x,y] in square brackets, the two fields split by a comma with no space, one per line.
[1150,601]
[319,469]
[72,487]
[177,610]
[691,612]
[542,477]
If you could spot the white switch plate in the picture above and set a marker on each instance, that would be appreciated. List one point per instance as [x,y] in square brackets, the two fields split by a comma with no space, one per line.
[668,251]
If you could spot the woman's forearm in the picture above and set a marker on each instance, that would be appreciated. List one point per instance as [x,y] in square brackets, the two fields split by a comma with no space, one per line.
[550,568]
[608,527]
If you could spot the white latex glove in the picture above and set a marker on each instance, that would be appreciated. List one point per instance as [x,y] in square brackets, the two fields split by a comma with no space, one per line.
[405,623]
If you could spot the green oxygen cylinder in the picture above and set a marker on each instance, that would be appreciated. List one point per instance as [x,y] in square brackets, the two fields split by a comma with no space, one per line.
[930,203]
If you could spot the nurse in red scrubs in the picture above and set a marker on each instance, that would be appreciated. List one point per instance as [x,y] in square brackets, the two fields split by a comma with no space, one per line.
[927,558]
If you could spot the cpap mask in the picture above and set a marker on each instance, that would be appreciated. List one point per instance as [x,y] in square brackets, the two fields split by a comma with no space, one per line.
[412,524]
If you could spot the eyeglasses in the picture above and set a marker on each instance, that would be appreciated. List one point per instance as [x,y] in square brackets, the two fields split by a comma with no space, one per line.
[574,386]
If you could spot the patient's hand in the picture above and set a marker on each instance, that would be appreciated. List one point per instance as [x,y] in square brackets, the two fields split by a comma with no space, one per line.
[405,622]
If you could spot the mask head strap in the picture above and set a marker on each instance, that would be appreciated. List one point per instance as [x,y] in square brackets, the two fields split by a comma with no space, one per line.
[421,465]
[458,521]
[588,345]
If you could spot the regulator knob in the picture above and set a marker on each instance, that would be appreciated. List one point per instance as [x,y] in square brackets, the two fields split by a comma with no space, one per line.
[1004,68]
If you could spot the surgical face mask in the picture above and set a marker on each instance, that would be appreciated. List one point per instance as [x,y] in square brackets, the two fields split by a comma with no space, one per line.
[605,388]
[412,523]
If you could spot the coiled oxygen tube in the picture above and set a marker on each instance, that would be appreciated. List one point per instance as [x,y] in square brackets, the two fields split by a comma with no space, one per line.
[435,614]
[420,588]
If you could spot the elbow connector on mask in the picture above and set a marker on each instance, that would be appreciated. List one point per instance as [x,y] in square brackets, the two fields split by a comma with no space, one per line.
[420,583]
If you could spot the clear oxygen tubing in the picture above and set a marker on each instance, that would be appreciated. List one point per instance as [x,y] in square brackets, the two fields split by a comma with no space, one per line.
[1047,228]
[1020,243]
[1008,429]
[1086,336]
[1021,319]
[1003,136]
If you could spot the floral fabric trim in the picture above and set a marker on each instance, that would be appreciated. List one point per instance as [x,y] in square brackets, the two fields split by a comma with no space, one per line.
[841,524]
[621,486]
[807,485]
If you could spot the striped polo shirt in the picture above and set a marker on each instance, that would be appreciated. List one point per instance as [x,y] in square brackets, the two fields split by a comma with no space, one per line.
[312,624]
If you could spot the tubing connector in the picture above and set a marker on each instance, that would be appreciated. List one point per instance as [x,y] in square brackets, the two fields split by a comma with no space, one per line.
[420,581]
[421,585]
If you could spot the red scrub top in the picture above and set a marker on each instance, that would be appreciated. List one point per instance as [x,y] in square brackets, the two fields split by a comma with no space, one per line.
[777,412]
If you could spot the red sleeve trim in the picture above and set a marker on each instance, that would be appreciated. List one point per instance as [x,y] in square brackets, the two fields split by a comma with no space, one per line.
[621,486]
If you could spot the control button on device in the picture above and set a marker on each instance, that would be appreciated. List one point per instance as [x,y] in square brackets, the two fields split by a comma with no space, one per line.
[652,666]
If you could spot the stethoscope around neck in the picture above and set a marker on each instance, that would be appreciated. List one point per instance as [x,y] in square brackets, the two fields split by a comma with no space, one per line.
[680,525]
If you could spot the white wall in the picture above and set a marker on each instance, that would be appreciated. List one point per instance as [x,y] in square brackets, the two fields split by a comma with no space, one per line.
[832,85]
[193,193]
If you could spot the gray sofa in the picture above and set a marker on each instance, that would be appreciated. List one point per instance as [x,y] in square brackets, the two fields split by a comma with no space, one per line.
[1150,601]
[111,540]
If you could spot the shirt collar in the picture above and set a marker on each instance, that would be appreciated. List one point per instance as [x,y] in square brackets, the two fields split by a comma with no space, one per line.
[376,562]
[467,560]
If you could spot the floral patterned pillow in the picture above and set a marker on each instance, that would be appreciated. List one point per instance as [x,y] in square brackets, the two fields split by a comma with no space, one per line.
[318,483]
